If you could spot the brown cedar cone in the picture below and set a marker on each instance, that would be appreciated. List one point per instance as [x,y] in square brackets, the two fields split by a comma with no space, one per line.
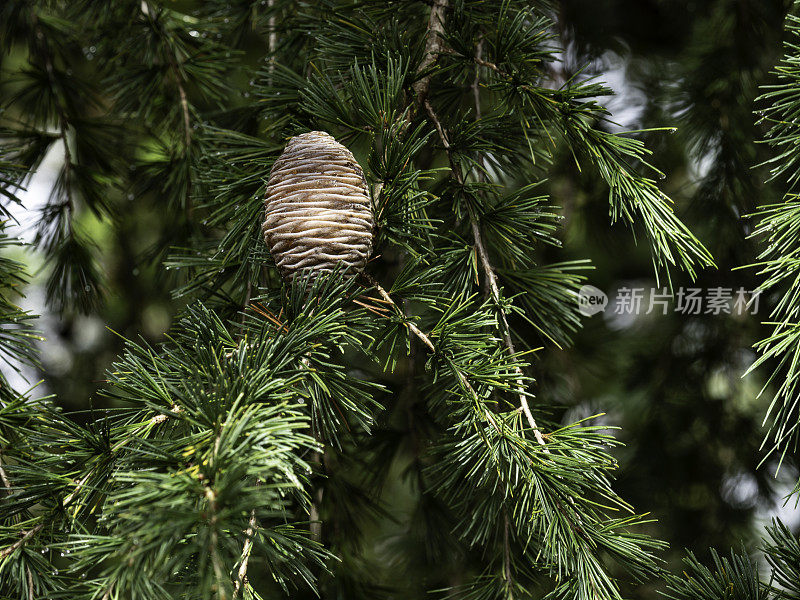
[318,213]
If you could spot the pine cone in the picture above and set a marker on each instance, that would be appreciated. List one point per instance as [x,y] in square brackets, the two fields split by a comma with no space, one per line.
[318,212]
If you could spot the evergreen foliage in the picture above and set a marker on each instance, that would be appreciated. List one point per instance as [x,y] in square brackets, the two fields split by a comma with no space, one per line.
[16,325]
[251,453]
[738,577]
[777,227]
[690,422]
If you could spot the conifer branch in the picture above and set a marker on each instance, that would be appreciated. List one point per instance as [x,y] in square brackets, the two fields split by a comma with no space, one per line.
[211,497]
[408,323]
[433,43]
[178,79]
[176,76]
[247,548]
[78,487]
[777,261]
[425,339]
[272,39]
[33,531]
[491,278]
[4,477]
[21,542]
[61,114]
[476,98]
[483,256]
[531,513]
[485,63]
[30,582]
[476,91]
[187,127]
[107,593]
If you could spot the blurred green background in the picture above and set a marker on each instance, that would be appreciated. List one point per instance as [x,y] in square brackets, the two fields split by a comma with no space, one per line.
[673,383]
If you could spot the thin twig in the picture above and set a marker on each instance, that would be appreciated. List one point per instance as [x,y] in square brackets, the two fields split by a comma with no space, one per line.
[78,487]
[272,40]
[380,311]
[425,339]
[4,477]
[489,273]
[476,98]
[20,542]
[241,576]
[66,501]
[410,324]
[489,65]
[267,314]
[491,279]
[506,330]
[476,92]
[433,43]
[187,121]
[213,509]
